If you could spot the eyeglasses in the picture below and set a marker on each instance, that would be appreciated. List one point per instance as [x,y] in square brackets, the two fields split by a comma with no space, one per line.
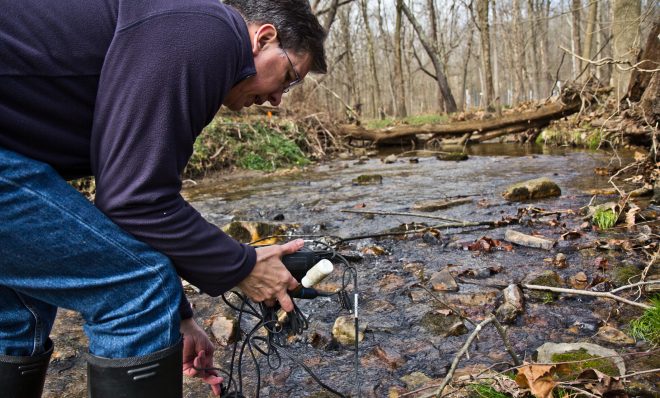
[297,79]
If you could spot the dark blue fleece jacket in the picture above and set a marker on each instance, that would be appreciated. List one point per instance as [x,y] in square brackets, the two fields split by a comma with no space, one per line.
[120,89]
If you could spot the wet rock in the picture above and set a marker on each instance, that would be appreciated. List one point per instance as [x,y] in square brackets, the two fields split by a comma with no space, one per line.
[546,352]
[442,281]
[544,278]
[390,159]
[344,330]
[443,325]
[223,329]
[249,231]
[416,268]
[319,338]
[413,160]
[613,335]
[579,281]
[390,283]
[415,380]
[368,179]
[452,156]
[418,296]
[391,357]
[528,240]
[485,298]
[435,205]
[344,155]
[373,251]
[533,189]
[560,261]
[512,306]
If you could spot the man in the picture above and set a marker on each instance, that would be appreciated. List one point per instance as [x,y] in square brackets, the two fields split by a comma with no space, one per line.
[120,89]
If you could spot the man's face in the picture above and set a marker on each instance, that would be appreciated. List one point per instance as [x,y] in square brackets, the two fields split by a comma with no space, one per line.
[274,71]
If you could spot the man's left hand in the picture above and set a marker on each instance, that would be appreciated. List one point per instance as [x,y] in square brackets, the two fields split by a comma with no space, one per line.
[198,355]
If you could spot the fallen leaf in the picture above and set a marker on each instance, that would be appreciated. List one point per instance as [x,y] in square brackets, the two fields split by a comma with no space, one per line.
[538,378]
[360,206]
[601,263]
[630,215]
[601,384]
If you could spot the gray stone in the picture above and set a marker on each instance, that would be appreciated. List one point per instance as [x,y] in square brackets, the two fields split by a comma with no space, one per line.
[443,325]
[223,329]
[613,335]
[390,159]
[547,350]
[532,189]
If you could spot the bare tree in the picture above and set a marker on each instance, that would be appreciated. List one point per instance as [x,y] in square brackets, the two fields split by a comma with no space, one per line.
[576,7]
[484,32]
[375,94]
[401,110]
[446,99]
[626,39]
[589,34]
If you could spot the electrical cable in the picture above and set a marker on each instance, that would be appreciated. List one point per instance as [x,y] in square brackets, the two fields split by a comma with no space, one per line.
[288,324]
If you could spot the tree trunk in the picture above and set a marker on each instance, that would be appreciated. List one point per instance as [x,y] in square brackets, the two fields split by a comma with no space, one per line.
[484,31]
[518,45]
[398,65]
[344,21]
[576,7]
[443,86]
[536,75]
[625,35]
[589,34]
[465,68]
[649,60]
[375,94]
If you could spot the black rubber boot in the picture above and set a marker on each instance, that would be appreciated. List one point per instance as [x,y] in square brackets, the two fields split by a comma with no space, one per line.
[23,377]
[155,375]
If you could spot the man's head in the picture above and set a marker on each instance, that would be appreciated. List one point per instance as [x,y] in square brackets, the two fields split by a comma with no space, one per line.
[287,43]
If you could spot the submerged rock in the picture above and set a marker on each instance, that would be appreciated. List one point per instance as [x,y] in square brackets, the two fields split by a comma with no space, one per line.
[438,204]
[532,189]
[415,380]
[452,156]
[250,231]
[442,281]
[368,179]
[443,325]
[544,278]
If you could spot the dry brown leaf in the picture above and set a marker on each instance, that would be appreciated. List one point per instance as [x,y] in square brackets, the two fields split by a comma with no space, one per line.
[538,378]
[602,385]
[630,215]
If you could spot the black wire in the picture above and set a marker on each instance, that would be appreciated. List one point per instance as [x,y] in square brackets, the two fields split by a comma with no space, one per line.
[277,333]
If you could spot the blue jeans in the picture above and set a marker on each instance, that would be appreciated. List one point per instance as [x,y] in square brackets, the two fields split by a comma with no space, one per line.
[58,250]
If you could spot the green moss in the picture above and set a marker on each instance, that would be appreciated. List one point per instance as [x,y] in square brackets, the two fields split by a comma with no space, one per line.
[647,326]
[626,274]
[485,391]
[587,361]
[368,179]
[594,139]
[604,218]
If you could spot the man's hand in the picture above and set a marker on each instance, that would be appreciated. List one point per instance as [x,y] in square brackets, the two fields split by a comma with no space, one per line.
[198,354]
[270,280]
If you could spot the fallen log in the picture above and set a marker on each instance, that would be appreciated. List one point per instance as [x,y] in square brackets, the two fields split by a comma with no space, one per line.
[509,124]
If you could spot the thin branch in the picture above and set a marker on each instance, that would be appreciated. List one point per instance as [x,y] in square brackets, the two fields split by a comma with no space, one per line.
[615,62]
[507,343]
[586,293]
[618,289]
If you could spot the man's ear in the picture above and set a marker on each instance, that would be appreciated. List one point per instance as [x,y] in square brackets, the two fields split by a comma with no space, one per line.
[264,36]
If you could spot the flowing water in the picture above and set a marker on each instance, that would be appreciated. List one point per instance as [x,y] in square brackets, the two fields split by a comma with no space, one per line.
[392,307]
[399,339]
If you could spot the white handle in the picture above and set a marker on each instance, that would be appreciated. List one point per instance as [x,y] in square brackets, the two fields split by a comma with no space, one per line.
[317,273]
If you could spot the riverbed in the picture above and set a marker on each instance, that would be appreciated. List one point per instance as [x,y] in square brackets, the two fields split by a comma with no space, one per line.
[393,271]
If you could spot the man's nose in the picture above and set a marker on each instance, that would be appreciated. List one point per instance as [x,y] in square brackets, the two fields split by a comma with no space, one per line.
[275,98]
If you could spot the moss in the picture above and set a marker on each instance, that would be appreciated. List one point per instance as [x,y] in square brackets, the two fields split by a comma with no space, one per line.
[484,391]
[453,156]
[626,274]
[569,371]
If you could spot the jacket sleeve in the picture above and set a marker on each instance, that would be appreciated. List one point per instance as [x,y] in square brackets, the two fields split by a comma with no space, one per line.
[162,81]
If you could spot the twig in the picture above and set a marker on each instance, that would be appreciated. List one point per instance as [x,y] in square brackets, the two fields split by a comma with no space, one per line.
[449,307]
[458,356]
[618,289]
[641,372]
[654,258]
[400,213]
[612,61]
[507,343]
[581,391]
[586,293]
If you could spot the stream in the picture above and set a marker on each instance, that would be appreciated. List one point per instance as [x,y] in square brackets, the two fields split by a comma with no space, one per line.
[403,340]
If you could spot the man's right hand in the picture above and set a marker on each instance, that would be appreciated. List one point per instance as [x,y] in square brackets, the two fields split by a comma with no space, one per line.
[270,280]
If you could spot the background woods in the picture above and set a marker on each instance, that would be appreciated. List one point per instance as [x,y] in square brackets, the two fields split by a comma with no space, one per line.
[401,57]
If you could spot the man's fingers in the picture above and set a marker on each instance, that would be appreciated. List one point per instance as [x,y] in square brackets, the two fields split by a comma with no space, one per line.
[285,302]
[293,246]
